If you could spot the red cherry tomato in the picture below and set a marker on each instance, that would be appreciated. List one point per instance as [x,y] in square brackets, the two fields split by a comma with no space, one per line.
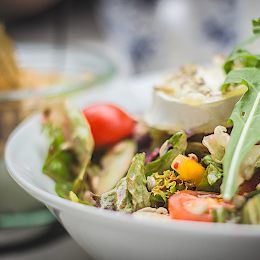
[194,205]
[109,123]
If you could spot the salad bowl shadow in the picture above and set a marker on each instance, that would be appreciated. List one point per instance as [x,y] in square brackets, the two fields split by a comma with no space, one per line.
[111,235]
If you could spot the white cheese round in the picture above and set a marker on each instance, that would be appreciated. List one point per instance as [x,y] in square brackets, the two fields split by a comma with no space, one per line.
[191,100]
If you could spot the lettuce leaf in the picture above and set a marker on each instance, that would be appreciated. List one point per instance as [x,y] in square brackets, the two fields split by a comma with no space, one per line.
[165,185]
[59,161]
[136,183]
[71,143]
[118,199]
[177,145]
[130,193]
[246,131]
[212,179]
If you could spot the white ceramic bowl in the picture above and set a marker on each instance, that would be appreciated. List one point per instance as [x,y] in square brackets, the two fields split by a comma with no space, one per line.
[109,235]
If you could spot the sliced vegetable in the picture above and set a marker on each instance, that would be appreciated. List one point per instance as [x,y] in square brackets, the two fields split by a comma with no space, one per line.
[115,165]
[188,169]
[194,205]
[246,131]
[109,123]
[177,144]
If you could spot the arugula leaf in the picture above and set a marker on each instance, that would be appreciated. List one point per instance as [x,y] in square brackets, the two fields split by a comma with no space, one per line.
[178,142]
[246,131]
[256,26]
[241,57]
[130,193]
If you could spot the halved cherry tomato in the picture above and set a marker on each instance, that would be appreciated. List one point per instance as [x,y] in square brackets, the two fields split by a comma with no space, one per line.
[109,123]
[194,205]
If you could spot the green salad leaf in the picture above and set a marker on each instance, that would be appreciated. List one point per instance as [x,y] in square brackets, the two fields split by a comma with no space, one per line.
[130,193]
[246,131]
[164,185]
[136,183]
[256,26]
[157,137]
[213,175]
[70,150]
[214,170]
[118,199]
[178,145]
[240,57]
[59,161]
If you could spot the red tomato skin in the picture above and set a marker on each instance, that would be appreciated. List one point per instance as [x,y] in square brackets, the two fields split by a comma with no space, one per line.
[177,209]
[109,123]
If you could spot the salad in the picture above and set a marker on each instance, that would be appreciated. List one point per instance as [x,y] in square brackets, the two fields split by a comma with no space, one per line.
[104,157]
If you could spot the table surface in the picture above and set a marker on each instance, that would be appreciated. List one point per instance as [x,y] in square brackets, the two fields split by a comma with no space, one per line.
[64,248]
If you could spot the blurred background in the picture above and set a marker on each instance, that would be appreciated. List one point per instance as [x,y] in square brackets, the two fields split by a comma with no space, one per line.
[95,43]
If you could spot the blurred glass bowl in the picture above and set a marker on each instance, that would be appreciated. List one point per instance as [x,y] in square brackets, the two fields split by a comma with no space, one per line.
[78,69]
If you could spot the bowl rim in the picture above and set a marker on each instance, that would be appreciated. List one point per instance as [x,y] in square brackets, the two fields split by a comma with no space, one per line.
[63,88]
[53,200]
